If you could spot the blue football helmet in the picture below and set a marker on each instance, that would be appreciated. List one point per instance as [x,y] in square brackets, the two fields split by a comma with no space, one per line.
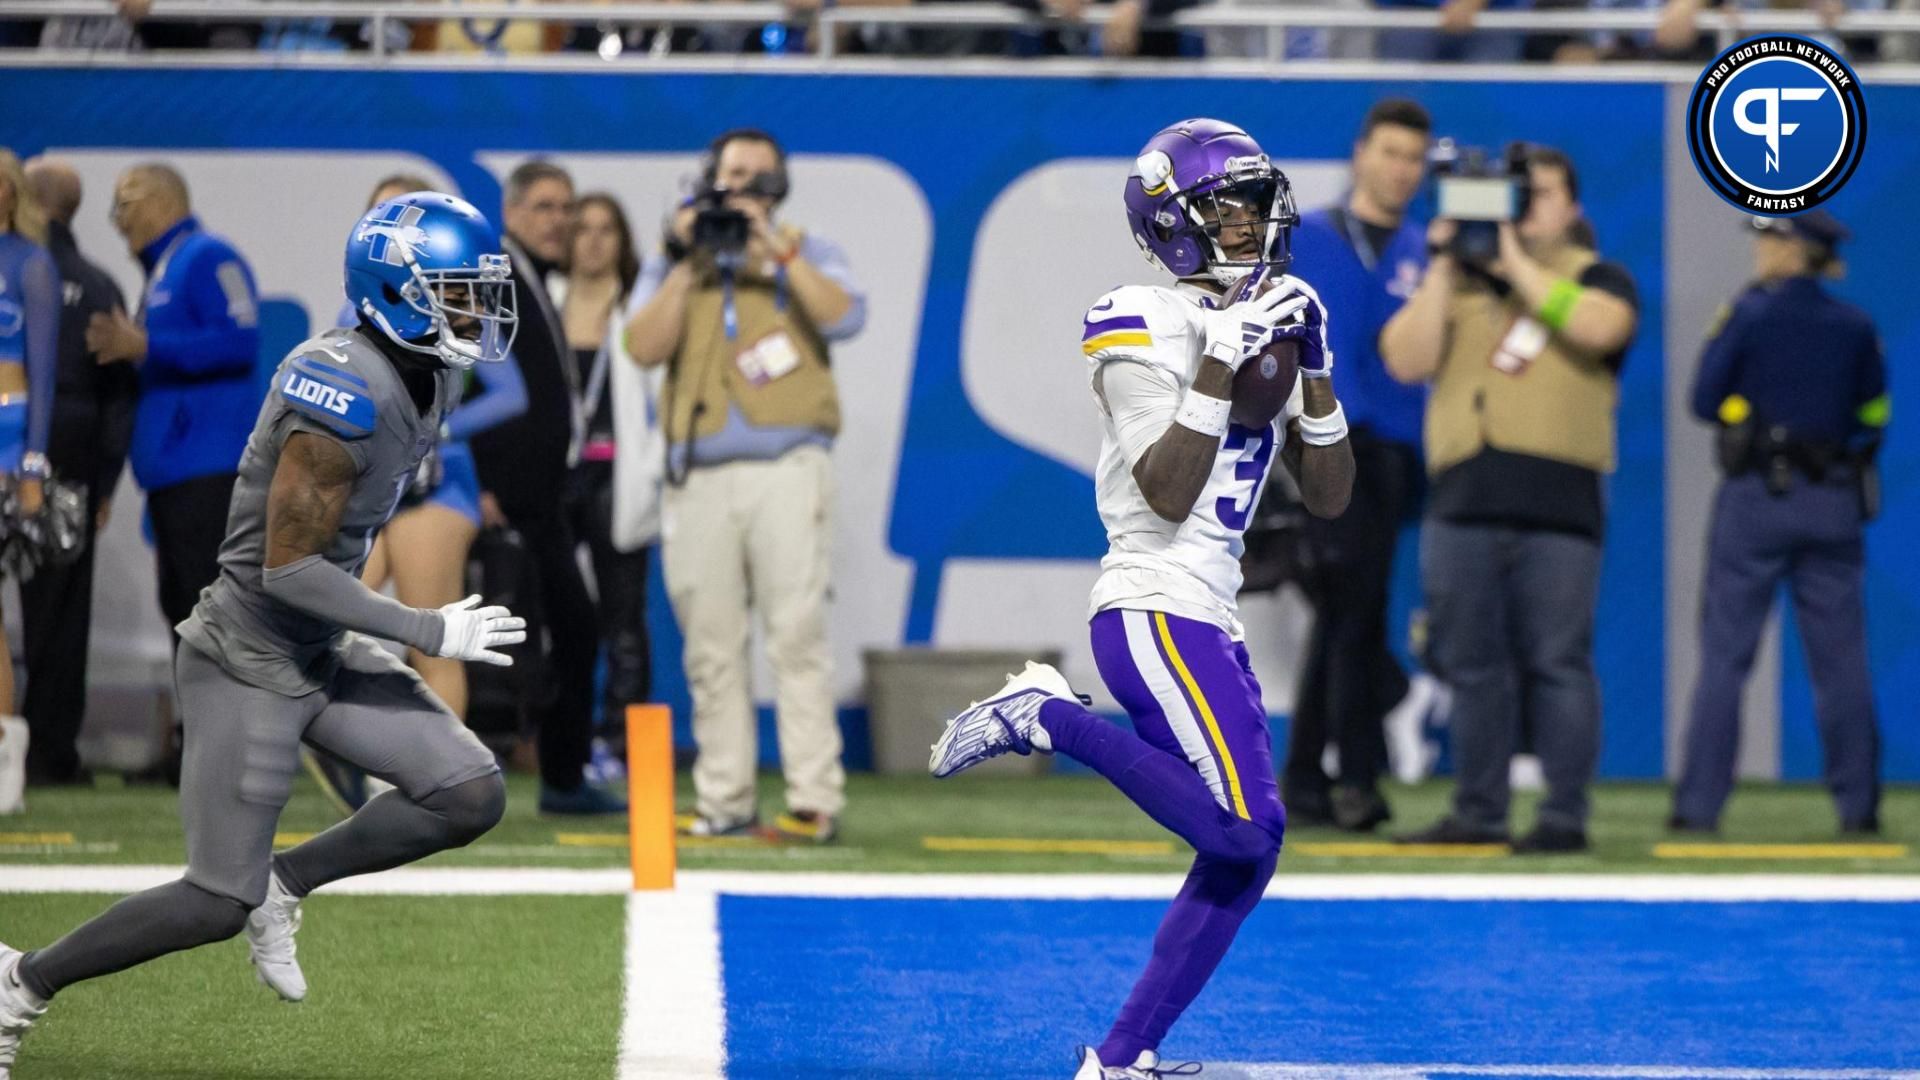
[427,269]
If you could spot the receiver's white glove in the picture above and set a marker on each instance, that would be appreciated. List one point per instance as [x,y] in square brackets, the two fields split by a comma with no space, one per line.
[1239,332]
[471,632]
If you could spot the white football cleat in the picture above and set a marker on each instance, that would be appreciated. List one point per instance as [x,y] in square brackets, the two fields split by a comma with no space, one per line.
[270,930]
[19,1008]
[1145,1067]
[1007,722]
[13,764]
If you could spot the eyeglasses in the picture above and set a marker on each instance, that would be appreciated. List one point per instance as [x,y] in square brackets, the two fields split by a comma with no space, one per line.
[118,208]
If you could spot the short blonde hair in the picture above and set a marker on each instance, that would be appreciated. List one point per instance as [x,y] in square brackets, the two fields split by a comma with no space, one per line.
[28,218]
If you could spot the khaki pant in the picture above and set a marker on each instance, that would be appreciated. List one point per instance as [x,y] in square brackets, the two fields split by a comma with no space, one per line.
[756,536]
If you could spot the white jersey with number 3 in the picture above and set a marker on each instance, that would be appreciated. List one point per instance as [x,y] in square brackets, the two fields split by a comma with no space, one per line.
[1143,348]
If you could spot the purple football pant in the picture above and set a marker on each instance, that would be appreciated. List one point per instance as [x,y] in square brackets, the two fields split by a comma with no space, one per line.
[1199,762]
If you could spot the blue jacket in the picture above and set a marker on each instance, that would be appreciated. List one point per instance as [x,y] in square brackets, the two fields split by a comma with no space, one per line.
[1359,301]
[198,391]
[1804,359]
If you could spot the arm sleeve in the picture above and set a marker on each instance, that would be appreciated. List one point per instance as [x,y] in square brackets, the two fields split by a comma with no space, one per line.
[502,396]
[225,338]
[40,289]
[1141,401]
[1873,374]
[325,591]
[832,261]
[1719,365]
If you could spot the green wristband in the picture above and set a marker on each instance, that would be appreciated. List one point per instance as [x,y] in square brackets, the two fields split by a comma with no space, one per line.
[1557,308]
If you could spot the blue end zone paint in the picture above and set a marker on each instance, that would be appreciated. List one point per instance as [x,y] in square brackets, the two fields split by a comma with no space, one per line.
[912,988]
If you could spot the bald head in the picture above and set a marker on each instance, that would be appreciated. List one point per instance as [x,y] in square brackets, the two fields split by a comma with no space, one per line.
[56,184]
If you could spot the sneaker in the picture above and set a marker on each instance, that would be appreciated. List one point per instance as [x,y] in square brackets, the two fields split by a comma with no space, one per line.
[1359,809]
[583,801]
[19,1008]
[1450,830]
[1551,840]
[13,765]
[1008,722]
[604,768]
[1869,826]
[343,786]
[708,828]
[807,827]
[1307,809]
[1145,1067]
[1678,824]
[270,930]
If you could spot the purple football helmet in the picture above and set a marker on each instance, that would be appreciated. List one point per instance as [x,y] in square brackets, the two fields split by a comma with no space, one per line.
[1189,178]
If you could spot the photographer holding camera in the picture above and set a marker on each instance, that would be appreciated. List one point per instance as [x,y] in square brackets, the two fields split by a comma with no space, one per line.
[1520,330]
[741,309]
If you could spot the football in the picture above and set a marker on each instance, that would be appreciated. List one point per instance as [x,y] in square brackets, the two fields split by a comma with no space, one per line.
[1263,384]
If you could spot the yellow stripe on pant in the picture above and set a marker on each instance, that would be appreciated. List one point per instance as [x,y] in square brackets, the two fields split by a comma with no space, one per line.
[1206,715]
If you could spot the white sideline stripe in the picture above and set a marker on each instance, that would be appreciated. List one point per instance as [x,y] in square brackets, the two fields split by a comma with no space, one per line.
[1570,1072]
[507,881]
[673,1023]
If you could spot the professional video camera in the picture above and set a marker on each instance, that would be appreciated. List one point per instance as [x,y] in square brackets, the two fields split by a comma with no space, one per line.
[719,228]
[1478,191]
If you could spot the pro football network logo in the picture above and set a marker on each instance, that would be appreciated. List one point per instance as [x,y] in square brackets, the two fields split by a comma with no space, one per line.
[1777,124]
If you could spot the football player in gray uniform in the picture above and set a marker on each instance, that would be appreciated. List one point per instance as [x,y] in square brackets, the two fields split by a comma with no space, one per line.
[279,648]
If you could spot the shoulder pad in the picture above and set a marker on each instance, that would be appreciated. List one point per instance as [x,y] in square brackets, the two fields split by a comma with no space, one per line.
[322,386]
[1123,322]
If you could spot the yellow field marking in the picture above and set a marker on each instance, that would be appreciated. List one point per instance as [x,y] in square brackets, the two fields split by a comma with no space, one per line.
[1019,846]
[1779,851]
[590,839]
[58,839]
[288,839]
[1335,850]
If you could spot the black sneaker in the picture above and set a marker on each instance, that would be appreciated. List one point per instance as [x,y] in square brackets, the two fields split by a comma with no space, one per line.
[1449,830]
[1551,840]
[1360,810]
[1866,827]
[1678,824]
[1307,810]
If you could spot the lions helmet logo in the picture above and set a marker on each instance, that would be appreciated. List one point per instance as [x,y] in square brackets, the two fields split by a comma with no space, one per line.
[395,236]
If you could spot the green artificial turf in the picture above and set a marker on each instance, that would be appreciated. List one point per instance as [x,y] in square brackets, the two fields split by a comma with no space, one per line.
[421,988]
[888,819]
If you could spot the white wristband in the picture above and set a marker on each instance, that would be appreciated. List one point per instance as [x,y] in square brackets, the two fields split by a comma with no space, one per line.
[1206,415]
[1324,430]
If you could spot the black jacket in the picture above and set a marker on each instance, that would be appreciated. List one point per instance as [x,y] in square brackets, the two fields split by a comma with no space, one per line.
[523,461]
[92,404]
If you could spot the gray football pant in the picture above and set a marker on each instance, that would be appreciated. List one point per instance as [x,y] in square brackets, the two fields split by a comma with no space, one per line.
[242,750]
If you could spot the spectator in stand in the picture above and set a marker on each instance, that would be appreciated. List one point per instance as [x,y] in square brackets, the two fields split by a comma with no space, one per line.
[86,445]
[1122,36]
[1456,39]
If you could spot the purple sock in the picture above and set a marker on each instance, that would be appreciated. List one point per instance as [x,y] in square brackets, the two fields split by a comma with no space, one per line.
[1163,785]
[1193,937]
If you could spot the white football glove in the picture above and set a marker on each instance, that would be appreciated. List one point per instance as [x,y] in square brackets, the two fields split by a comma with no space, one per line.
[1239,332]
[472,632]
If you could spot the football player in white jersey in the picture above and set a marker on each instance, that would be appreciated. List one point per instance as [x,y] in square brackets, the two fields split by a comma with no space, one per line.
[1177,482]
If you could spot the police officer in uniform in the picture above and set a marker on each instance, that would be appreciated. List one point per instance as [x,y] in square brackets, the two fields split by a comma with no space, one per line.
[1796,441]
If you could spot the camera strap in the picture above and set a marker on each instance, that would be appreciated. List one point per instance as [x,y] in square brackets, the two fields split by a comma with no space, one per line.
[730,316]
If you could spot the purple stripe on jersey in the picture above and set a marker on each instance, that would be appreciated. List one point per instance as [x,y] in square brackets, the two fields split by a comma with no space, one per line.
[1118,322]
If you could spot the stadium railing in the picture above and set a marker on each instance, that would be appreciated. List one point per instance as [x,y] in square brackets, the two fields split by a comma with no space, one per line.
[1272,19]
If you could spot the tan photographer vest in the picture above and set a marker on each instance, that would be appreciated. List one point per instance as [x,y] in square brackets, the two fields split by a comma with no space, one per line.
[1558,406]
[706,379]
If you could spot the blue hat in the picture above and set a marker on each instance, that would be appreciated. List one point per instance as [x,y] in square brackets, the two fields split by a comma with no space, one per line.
[1816,227]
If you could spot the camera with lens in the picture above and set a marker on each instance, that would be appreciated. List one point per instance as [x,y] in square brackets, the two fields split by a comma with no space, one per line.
[1478,191]
[717,227]
[721,229]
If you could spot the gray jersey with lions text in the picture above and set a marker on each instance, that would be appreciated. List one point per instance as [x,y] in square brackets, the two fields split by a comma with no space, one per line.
[339,385]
